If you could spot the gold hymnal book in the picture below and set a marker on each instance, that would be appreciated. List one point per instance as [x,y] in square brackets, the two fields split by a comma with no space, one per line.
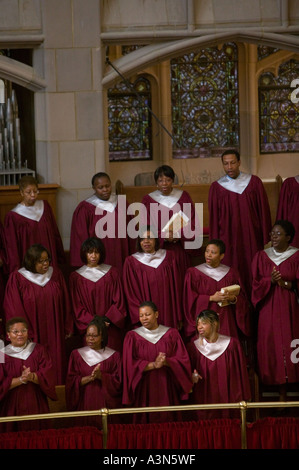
[234,289]
[176,222]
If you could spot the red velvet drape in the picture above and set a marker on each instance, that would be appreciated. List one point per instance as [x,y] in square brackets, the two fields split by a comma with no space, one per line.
[273,433]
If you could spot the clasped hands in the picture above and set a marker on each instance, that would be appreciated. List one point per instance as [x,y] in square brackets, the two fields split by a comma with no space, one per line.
[277,279]
[223,296]
[27,375]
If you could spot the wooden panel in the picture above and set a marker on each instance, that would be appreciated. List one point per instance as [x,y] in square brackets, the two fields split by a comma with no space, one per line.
[10,197]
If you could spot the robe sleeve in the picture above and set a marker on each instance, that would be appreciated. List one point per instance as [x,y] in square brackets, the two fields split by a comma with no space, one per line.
[193,302]
[117,311]
[55,232]
[82,315]
[132,290]
[45,373]
[261,285]
[81,222]
[179,362]
[72,382]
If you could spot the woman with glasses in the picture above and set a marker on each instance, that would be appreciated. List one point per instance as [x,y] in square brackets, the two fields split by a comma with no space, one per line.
[94,374]
[31,221]
[275,290]
[38,292]
[26,377]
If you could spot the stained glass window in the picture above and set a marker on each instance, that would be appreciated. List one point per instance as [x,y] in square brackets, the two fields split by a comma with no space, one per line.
[279,117]
[129,121]
[205,102]
[265,51]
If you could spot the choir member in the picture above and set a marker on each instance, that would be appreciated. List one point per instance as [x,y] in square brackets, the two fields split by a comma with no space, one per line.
[96,289]
[219,371]
[156,367]
[31,221]
[239,215]
[26,378]
[203,291]
[288,205]
[94,374]
[3,278]
[152,273]
[160,205]
[38,292]
[275,290]
[100,216]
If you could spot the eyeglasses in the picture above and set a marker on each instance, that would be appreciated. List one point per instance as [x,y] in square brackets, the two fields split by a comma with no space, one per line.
[17,332]
[92,336]
[28,193]
[272,234]
[43,261]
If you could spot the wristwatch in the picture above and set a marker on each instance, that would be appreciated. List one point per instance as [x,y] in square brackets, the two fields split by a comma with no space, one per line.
[286,283]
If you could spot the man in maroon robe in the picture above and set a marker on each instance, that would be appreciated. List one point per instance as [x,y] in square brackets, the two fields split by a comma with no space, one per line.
[239,214]
[156,367]
[288,205]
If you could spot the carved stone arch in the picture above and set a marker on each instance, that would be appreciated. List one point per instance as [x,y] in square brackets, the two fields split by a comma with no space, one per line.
[21,74]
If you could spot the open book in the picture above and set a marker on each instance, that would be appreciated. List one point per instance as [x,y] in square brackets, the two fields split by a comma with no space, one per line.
[176,223]
[234,289]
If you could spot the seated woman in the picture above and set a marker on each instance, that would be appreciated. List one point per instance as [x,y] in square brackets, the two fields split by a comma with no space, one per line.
[94,216]
[161,205]
[96,289]
[275,288]
[31,221]
[26,378]
[38,292]
[202,291]
[156,367]
[219,368]
[152,273]
[94,374]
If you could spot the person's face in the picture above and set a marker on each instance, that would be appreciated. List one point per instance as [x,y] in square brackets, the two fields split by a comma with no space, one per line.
[93,258]
[279,239]
[148,242]
[18,334]
[231,165]
[42,265]
[93,337]
[29,195]
[148,318]
[213,256]
[206,329]
[164,184]
[102,187]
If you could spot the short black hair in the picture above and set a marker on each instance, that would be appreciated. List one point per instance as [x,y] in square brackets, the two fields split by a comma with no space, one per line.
[89,246]
[208,315]
[288,228]
[231,152]
[32,256]
[148,228]
[219,243]
[13,321]
[149,303]
[165,170]
[101,174]
[100,324]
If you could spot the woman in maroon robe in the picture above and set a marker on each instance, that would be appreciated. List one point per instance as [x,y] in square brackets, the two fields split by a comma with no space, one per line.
[156,367]
[101,215]
[96,289]
[152,273]
[38,292]
[219,368]
[94,374]
[26,378]
[288,205]
[160,205]
[203,291]
[31,221]
[275,288]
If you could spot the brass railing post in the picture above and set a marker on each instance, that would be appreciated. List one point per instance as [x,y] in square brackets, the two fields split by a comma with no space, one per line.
[243,410]
[104,413]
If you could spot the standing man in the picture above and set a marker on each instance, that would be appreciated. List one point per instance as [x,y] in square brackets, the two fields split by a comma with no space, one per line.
[239,214]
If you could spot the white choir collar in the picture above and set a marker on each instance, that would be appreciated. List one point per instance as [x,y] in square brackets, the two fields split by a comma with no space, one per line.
[153,336]
[153,260]
[278,257]
[34,212]
[297,178]
[39,279]
[212,350]
[236,185]
[215,273]
[19,353]
[168,201]
[94,274]
[108,206]
[93,357]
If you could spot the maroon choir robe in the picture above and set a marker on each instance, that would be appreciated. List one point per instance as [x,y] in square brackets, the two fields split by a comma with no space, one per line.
[3,277]
[164,208]
[167,386]
[240,217]
[288,205]
[27,398]
[203,281]
[42,299]
[87,223]
[99,291]
[222,366]
[278,315]
[104,393]
[154,277]
[25,226]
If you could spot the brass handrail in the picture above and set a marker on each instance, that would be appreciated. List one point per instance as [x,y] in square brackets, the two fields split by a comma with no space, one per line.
[243,406]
